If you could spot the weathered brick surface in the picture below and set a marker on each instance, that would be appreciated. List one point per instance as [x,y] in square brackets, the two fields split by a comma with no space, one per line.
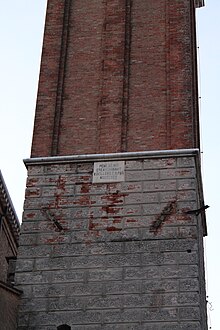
[117,263]
[117,75]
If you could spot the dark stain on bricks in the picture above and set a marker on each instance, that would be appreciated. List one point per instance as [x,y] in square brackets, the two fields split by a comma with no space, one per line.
[84,201]
[61,183]
[61,189]
[105,219]
[131,220]
[92,225]
[33,193]
[32,182]
[117,220]
[163,217]
[57,199]
[114,198]
[85,178]
[113,228]
[184,216]
[85,188]
[109,209]
[131,212]
[132,187]
[58,239]
[30,215]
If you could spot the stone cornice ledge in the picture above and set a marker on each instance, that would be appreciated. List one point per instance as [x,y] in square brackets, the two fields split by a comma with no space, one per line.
[110,156]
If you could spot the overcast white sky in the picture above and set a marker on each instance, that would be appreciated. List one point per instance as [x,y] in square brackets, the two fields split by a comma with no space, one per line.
[21,33]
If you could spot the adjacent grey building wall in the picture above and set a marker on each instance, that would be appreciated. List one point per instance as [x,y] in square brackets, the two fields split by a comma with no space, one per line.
[9,304]
[122,255]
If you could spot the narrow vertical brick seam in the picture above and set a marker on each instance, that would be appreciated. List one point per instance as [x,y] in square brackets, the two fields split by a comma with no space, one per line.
[125,106]
[196,121]
[168,101]
[101,85]
[61,79]
[111,95]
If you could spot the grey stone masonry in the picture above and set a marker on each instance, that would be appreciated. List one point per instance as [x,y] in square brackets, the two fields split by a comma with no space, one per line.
[115,255]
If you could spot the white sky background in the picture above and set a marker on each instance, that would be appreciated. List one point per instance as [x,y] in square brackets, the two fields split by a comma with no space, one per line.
[21,33]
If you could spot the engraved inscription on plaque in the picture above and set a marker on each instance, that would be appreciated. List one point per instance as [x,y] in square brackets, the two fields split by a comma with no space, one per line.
[109,171]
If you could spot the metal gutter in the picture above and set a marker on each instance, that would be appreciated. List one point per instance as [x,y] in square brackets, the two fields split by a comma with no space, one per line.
[110,156]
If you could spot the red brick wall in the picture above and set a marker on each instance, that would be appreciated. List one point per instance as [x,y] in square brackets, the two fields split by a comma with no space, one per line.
[162,67]
[48,82]
[125,80]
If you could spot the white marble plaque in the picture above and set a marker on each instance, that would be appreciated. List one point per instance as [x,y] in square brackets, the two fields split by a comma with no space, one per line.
[109,171]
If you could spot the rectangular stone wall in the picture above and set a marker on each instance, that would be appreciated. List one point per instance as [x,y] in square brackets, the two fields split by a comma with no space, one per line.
[118,255]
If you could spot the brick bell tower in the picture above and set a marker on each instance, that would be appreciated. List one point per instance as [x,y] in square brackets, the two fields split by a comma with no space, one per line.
[107,240]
